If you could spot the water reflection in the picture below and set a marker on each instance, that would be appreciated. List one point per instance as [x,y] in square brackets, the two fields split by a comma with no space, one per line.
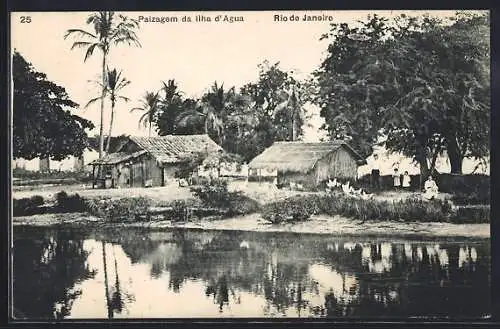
[183,273]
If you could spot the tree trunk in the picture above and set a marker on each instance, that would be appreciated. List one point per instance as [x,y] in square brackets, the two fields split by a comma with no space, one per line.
[110,125]
[101,128]
[434,159]
[454,155]
[150,129]
[424,169]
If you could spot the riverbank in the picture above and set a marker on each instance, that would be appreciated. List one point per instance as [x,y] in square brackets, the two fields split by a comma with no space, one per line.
[336,225]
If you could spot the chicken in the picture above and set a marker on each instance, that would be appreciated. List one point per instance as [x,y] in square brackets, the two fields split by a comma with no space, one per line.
[346,188]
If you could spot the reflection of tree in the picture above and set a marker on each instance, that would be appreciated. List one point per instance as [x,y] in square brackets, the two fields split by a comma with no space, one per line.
[45,271]
[116,301]
[372,279]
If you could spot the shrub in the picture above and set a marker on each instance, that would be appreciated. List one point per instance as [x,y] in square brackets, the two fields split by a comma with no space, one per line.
[179,211]
[26,206]
[468,215]
[214,193]
[69,203]
[124,209]
[292,209]
[239,204]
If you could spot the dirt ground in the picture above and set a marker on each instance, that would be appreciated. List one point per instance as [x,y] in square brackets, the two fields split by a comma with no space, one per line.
[336,225]
[262,192]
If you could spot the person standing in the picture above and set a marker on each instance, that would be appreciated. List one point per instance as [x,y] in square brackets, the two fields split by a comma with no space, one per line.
[406,181]
[375,172]
[397,179]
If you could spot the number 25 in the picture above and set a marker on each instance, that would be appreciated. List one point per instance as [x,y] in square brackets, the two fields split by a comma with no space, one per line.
[25,19]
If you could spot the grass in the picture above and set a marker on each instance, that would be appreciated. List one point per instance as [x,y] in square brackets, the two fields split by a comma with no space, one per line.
[301,208]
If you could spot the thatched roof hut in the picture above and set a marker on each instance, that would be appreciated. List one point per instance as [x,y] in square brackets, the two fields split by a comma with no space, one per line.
[318,160]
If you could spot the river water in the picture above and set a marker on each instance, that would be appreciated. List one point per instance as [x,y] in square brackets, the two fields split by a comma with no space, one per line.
[130,273]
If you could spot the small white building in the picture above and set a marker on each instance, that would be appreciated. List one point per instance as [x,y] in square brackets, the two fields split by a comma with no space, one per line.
[70,163]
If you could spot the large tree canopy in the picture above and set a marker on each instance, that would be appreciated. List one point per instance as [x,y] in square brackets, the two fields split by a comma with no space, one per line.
[421,83]
[43,125]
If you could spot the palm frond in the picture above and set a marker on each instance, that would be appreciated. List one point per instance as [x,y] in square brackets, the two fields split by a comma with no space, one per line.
[80,44]
[144,119]
[79,32]
[126,99]
[92,101]
[89,51]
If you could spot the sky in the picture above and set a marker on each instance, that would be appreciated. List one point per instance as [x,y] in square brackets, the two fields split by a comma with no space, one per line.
[195,54]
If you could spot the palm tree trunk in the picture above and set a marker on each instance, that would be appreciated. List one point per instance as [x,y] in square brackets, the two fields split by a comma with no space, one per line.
[110,125]
[101,128]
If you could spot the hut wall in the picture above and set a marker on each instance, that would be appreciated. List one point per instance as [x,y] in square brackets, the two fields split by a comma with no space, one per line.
[306,179]
[338,164]
[169,171]
[137,174]
[153,171]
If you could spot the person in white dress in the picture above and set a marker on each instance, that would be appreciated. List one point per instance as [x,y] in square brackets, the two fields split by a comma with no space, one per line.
[397,179]
[430,188]
[406,181]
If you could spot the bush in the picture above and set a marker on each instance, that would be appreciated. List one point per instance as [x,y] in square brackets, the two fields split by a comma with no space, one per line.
[468,215]
[69,203]
[124,209]
[179,211]
[26,206]
[292,209]
[214,193]
[239,204]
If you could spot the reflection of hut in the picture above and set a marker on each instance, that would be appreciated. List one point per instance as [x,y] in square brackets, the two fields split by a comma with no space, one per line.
[307,163]
[150,161]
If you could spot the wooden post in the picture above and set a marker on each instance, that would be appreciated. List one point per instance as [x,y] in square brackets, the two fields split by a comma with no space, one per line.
[93,176]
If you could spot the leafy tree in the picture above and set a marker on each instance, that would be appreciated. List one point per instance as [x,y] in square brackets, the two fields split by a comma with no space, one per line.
[48,268]
[276,111]
[108,31]
[114,84]
[150,107]
[417,82]
[43,125]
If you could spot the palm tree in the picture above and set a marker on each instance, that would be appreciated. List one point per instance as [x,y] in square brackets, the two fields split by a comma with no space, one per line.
[150,107]
[214,109]
[292,107]
[114,83]
[170,88]
[107,32]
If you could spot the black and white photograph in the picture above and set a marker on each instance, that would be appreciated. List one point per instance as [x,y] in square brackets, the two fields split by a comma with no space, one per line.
[250,164]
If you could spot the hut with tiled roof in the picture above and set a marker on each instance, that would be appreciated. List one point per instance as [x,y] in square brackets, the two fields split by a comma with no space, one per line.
[151,161]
